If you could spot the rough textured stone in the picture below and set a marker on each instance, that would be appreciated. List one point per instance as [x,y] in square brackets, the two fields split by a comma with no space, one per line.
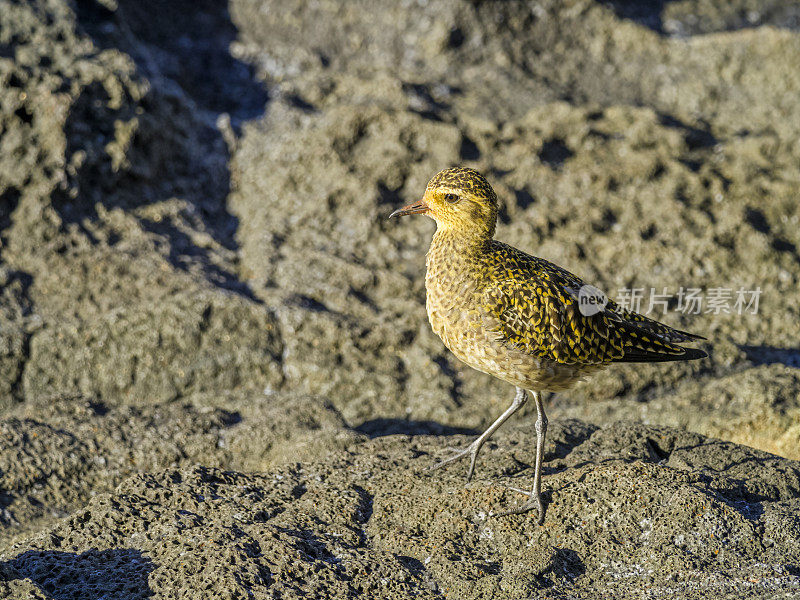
[196,269]
[634,511]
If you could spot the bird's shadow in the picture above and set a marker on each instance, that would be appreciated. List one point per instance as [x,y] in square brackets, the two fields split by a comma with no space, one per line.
[376,428]
[567,561]
[117,574]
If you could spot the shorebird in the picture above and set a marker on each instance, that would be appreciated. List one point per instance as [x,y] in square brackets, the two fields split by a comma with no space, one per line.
[518,317]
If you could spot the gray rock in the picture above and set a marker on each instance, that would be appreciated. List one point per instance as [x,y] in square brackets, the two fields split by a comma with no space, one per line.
[57,453]
[633,511]
[197,270]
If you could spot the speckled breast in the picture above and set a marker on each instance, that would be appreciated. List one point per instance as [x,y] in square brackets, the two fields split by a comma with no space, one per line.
[451,315]
[453,303]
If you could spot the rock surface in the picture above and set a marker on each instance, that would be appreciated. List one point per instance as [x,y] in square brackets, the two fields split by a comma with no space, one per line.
[196,269]
[634,510]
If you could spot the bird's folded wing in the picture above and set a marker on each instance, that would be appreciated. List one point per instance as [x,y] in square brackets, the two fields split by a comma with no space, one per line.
[542,319]
[539,314]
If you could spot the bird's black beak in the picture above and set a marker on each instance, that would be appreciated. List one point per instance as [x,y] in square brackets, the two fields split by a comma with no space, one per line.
[417,208]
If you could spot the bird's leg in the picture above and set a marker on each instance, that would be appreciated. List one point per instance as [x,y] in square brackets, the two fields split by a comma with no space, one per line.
[541,432]
[475,447]
[535,497]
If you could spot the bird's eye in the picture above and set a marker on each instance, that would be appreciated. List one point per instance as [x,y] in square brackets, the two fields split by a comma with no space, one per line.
[452,198]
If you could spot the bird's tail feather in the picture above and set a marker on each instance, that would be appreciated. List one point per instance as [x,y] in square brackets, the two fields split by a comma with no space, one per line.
[635,356]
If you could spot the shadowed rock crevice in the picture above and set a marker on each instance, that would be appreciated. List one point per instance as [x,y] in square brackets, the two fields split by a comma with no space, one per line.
[644,12]
[767,355]
[758,221]
[680,19]
[9,199]
[17,325]
[554,153]
[130,160]
[184,42]
[118,574]
[118,181]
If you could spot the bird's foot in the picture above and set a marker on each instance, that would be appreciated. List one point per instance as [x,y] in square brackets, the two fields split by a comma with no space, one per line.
[471,451]
[534,501]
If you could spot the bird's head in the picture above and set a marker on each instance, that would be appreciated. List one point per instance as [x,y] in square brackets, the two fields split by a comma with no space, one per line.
[458,199]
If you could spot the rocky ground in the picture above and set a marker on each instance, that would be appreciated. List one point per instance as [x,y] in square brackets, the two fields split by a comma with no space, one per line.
[216,374]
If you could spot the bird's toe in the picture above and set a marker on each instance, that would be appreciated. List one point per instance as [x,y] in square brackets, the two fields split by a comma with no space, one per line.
[457,455]
[535,501]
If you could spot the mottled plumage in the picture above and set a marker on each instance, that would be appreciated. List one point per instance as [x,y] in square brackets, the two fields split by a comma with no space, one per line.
[516,316]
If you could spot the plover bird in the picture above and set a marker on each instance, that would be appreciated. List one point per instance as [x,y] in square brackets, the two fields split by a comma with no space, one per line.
[518,317]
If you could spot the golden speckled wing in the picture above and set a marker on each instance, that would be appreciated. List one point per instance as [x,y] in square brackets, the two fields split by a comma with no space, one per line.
[532,304]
